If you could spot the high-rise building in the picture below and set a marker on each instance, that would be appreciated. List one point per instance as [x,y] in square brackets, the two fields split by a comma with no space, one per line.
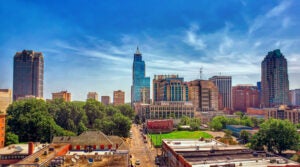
[119,97]
[5,100]
[28,74]
[295,97]
[105,100]
[2,130]
[204,95]
[62,95]
[139,81]
[223,84]
[244,96]
[274,79]
[169,88]
[92,95]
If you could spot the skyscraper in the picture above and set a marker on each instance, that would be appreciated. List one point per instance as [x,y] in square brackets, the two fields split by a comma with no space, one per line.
[204,95]
[169,88]
[224,86]
[274,79]
[28,74]
[139,81]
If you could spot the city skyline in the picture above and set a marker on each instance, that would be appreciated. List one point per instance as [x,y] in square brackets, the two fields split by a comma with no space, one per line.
[93,51]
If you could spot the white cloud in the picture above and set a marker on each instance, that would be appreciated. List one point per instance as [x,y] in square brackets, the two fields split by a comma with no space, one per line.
[271,18]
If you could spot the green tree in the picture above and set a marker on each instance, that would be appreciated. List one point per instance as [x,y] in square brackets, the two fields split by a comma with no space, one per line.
[244,135]
[185,120]
[126,110]
[122,125]
[218,123]
[11,138]
[94,110]
[276,135]
[31,121]
[195,124]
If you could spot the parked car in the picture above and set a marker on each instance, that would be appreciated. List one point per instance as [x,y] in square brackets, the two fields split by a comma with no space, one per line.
[137,162]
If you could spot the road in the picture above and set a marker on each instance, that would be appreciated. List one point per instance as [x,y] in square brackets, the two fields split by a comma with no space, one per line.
[140,150]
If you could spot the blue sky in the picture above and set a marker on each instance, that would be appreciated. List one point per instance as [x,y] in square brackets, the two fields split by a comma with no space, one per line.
[89,45]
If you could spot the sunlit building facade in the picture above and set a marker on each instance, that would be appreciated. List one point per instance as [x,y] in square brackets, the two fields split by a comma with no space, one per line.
[224,85]
[169,88]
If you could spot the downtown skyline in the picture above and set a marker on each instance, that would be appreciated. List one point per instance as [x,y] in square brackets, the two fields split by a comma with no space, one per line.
[90,46]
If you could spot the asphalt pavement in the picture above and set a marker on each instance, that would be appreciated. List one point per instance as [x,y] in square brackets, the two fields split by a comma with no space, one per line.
[141,151]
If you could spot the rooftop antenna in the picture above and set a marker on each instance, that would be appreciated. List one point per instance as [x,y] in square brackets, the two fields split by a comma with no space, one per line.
[201,77]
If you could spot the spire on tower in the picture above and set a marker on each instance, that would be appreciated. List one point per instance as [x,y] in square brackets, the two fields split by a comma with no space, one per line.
[137,50]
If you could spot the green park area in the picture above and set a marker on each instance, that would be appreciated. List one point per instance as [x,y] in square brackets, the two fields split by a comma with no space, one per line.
[157,138]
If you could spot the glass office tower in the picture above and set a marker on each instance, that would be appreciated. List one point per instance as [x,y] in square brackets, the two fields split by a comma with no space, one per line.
[139,81]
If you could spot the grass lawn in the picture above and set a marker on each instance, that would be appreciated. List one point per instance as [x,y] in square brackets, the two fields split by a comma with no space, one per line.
[156,138]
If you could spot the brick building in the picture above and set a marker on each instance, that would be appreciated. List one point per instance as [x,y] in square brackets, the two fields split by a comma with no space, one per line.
[119,97]
[62,95]
[244,96]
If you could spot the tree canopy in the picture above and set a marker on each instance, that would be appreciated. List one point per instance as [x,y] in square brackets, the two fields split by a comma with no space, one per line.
[37,120]
[276,135]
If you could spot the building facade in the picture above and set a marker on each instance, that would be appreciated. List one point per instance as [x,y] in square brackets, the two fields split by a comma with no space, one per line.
[119,97]
[105,100]
[139,81]
[224,85]
[65,95]
[274,79]
[92,95]
[283,112]
[166,109]
[5,100]
[295,97]
[169,88]
[244,96]
[2,130]
[145,95]
[203,94]
[28,79]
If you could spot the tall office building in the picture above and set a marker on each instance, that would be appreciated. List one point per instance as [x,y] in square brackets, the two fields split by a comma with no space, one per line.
[295,97]
[274,79]
[119,97]
[139,81]
[92,95]
[28,74]
[105,100]
[5,99]
[244,96]
[169,88]
[224,86]
[204,95]
[62,95]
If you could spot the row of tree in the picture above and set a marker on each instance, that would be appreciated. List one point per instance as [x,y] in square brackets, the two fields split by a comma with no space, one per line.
[273,135]
[37,120]
[219,122]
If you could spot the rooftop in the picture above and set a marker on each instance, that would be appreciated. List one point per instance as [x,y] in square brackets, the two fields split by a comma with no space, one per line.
[19,149]
[209,152]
